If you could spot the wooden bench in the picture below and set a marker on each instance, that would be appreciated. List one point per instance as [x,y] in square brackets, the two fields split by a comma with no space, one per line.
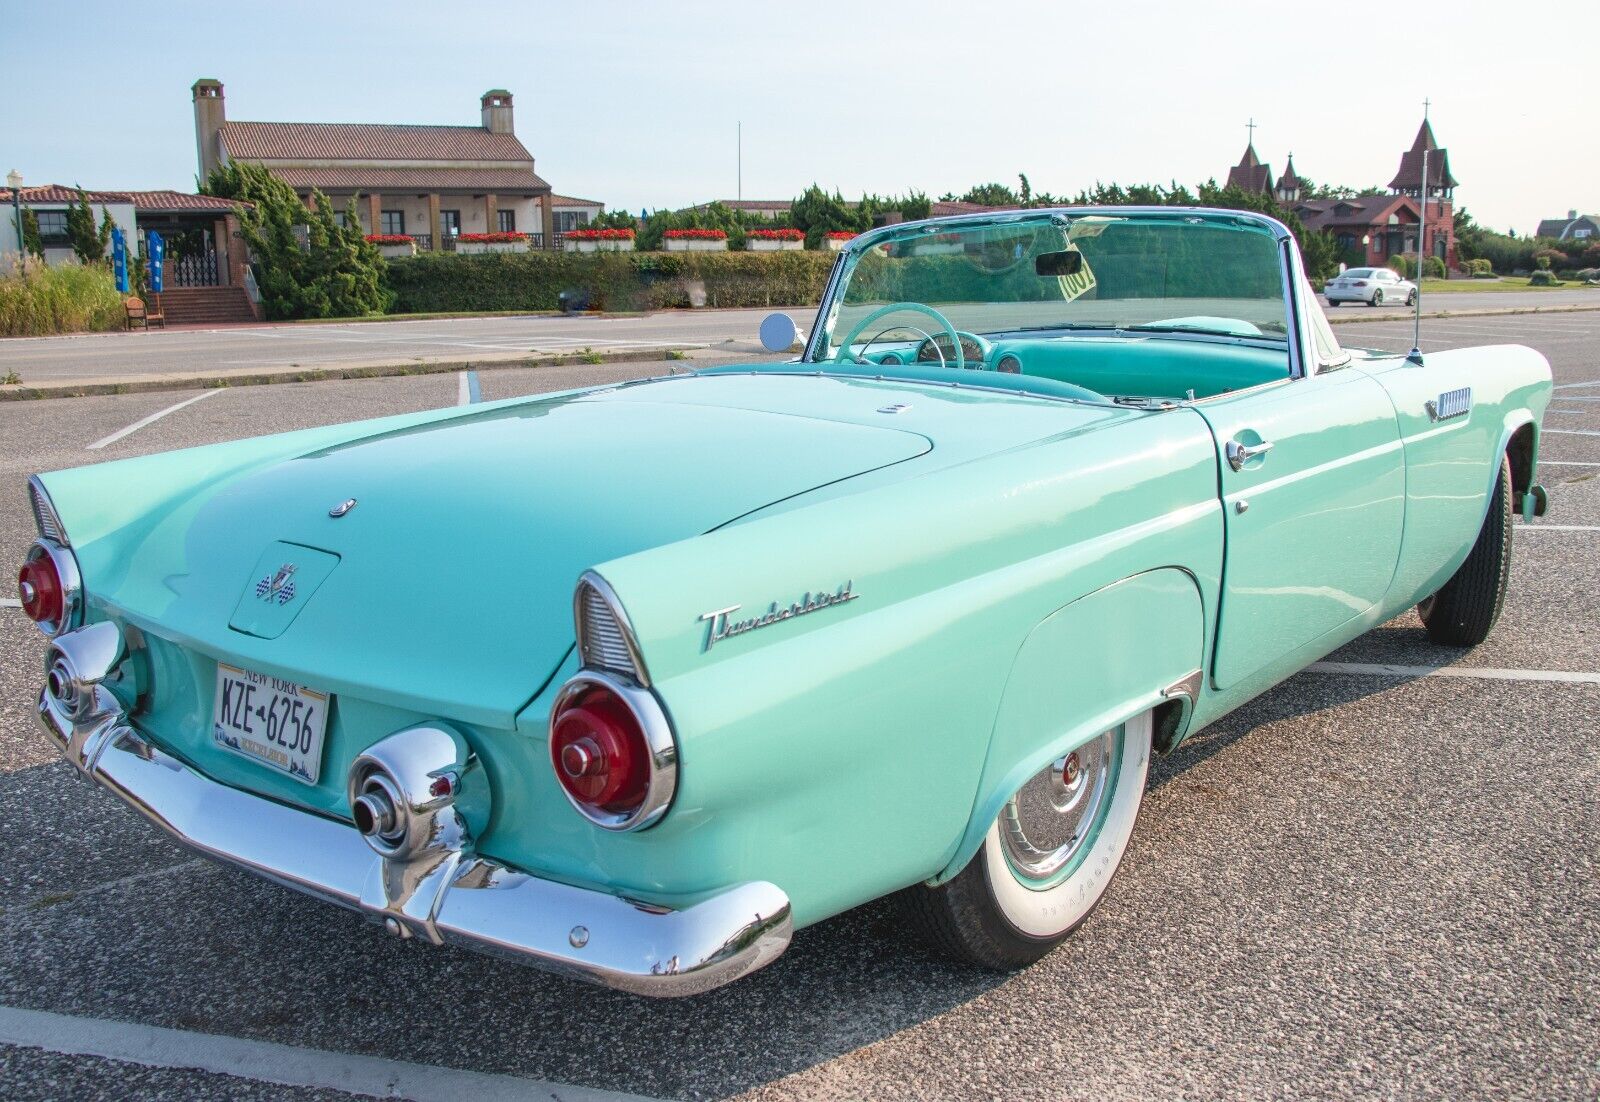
[143,315]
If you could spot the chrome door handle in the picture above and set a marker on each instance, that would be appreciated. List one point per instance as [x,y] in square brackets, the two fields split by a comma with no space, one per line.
[1239,454]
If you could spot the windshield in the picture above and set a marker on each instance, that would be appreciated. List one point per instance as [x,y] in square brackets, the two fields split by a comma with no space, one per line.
[1359,273]
[1056,272]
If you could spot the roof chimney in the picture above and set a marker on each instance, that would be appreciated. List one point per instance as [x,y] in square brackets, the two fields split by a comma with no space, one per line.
[1571,215]
[209,115]
[497,111]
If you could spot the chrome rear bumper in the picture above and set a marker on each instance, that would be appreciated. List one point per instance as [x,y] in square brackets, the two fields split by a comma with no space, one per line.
[454,898]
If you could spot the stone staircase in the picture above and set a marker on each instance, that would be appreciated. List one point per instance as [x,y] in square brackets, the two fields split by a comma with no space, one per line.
[206,306]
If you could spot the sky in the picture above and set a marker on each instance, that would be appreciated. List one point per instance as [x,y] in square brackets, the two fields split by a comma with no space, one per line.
[638,104]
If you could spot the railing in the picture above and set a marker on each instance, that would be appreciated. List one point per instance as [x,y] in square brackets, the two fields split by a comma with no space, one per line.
[424,240]
[199,270]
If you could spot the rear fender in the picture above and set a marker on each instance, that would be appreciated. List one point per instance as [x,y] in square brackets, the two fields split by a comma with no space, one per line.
[1098,662]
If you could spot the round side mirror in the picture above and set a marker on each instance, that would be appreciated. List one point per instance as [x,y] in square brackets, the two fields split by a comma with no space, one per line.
[779,333]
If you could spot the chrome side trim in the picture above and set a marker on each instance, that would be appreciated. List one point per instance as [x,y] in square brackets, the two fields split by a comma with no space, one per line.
[591,648]
[1186,686]
[452,896]
[658,734]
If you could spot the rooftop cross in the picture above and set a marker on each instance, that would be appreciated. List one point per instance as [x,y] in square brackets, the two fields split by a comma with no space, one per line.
[1251,128]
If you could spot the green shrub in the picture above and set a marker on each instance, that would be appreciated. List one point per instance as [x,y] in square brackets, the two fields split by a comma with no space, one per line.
[1402,265]
[450,282]
[37,300]
[1480,267]
[1588,275]
[1484,275]
[1544,277]
[1433,268]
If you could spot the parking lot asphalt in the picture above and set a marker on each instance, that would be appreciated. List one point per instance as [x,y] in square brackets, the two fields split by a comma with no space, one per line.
[163,357]
[1362,884]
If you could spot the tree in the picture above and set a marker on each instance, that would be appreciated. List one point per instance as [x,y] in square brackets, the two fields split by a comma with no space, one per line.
[990,195]
[307,265]
[88,242]
[817,214]
[1024,189]
[32,241]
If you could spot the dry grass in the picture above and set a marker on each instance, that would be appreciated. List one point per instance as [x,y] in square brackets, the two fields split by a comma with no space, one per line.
[38,300]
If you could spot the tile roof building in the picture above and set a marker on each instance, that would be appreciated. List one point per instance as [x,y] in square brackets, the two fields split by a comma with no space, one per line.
[1371,227]
[432,183]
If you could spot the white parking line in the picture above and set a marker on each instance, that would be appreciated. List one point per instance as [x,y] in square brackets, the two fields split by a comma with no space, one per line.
[1565,463]
[267,1062]
[1383,669]
[156,416]
[10,602]
[1557,527]
[1573,432]
[1576,386]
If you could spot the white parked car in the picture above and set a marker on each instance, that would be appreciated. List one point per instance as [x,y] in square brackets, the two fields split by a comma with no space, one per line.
[1373,286]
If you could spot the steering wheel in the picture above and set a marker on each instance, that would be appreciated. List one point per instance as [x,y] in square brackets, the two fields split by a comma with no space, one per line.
[915,308]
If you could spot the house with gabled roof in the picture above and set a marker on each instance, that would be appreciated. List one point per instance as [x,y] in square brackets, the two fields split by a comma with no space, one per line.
[1574,227]
[431,183]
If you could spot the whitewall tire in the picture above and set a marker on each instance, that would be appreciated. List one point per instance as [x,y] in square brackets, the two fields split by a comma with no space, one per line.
[1046,860]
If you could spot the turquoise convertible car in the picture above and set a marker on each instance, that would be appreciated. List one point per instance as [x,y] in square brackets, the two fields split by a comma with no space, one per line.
[632,682]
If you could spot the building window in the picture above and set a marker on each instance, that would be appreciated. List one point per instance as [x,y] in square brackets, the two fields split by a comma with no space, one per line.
[450,222]
[508,221]
[53,229]
[392,221]
[339,219]
[1582,233]
[567,220]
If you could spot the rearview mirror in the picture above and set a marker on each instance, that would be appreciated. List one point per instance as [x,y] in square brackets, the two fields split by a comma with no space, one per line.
[1058,264]
[779,333]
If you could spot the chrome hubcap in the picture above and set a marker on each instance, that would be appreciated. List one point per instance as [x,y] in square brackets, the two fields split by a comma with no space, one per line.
[1053,817]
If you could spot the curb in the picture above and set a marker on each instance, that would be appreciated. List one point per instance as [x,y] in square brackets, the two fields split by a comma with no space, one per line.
[16,393]
[1479,312]
[317,375]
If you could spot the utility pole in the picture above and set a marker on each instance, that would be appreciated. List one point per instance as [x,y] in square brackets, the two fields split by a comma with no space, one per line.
[739,142]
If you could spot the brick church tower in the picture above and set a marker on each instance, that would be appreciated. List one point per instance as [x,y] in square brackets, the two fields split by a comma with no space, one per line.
[1438,191]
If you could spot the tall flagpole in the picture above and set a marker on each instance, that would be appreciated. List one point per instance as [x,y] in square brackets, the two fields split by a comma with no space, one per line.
[740,143]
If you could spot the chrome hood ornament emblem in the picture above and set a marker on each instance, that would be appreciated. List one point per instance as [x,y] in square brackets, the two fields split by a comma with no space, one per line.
[721,625]
[342,508]
[278,588]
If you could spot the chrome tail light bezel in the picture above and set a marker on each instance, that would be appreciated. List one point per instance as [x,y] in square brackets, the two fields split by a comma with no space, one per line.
[55,544]
[660,743]
[65,565]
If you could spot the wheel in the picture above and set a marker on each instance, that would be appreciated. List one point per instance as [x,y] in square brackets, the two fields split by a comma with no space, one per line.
[1377,298]
[1331,302]
[1465,609]
[1411,297]
[1047,858]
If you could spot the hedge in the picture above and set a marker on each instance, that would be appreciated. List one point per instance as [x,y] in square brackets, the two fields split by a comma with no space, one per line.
[450,282]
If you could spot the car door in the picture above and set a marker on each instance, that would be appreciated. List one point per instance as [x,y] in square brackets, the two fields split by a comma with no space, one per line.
[1313,490]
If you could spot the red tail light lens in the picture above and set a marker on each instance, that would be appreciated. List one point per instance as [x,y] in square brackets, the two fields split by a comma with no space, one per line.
[1359,283]
[39,586]
[600,752]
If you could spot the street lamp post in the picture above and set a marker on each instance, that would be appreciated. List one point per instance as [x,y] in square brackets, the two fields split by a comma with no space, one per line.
[14,182]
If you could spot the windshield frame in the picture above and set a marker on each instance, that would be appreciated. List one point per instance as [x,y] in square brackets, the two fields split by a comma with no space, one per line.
[1296,325]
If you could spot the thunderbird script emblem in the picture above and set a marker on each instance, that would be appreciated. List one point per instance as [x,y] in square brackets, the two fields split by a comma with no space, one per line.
[278,588]
[721,624]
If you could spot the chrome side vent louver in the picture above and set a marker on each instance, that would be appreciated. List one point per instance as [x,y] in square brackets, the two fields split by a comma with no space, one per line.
[605,638]
[44,514]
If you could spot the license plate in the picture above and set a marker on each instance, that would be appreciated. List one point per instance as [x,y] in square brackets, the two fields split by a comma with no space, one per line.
[269,720]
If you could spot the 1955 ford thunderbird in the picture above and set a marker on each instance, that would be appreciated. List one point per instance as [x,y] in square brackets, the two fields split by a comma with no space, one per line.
[631,682]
